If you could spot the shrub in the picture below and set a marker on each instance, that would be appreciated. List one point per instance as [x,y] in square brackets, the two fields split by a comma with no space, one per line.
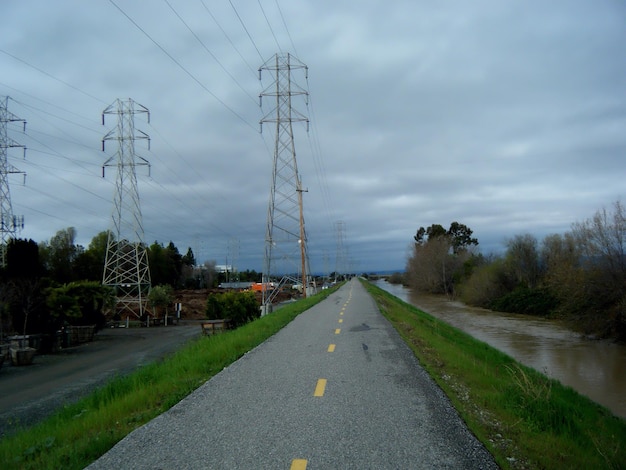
[527,301]
[240,307]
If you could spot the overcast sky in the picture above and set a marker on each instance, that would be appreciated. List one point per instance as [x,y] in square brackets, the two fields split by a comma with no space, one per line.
[507,116]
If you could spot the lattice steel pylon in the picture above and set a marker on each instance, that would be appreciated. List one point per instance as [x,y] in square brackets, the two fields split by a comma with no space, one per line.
[341,263]
[10,224]
[285,235]
[126,263]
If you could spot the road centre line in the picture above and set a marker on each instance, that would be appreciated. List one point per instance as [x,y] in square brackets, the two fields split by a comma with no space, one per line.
[337,331]
[331,348]
[319,388]
[341,320]
[298,464]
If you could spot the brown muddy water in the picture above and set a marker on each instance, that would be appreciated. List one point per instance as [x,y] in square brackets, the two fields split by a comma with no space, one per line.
[594,368]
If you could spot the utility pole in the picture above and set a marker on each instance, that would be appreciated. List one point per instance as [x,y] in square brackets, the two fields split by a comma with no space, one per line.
[126,263]
[10,224]
[285,234]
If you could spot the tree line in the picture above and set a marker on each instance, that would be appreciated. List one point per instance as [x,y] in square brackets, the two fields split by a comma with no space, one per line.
[578,276]
[52,283]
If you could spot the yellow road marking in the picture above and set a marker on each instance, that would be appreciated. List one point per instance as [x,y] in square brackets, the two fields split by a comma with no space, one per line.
[331,348]
[298,464]
[337,331]
[341,313]
[341,320]
[319,388]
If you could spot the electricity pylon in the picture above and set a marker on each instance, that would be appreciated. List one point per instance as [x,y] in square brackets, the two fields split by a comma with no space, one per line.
[10,224]
[126,263]
[341,262]
[285,236]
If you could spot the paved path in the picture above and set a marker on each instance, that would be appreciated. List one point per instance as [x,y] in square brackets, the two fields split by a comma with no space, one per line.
[336,389]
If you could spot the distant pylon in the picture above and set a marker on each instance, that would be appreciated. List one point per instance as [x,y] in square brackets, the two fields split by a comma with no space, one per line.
[285,236]
[126,263]
[341,260]
[10,224]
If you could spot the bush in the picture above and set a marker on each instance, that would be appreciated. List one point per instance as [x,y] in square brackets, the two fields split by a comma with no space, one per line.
[239,307]
[527,301]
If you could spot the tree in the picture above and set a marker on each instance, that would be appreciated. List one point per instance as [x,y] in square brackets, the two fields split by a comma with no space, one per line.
[439,257]
[460,237]
[189,259]
[80,303]
[239,307]
[60,254]
[522,257]
[89,263]
[161,297]
[23,259]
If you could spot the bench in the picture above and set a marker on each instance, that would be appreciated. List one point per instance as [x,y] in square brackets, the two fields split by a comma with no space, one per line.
[210,327]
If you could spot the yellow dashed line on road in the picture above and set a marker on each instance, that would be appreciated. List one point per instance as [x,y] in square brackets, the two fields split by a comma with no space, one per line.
[298,464]
[341,320]
[331,348]
[337,331]
[319,388]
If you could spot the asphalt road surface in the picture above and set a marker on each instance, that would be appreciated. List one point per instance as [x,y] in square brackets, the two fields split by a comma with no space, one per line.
[31,393]
[335,389]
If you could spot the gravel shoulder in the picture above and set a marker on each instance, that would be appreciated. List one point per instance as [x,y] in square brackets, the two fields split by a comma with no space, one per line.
[29,394]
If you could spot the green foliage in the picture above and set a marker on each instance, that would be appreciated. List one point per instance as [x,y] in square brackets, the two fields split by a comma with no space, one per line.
[161,297]
[527,301]
[79,303]
[240,307]
[165,264]
[189,259]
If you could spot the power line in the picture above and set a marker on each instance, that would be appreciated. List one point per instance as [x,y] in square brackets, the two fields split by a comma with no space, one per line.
[246,30]
[173,59]
[52,76]
[293,46]
[254,72]
[209,52]
[270,26]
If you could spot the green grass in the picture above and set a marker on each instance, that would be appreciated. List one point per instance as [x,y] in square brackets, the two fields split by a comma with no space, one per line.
[80,433]
[525,419]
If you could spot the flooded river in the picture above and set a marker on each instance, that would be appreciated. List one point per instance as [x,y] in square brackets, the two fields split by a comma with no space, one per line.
[593,368]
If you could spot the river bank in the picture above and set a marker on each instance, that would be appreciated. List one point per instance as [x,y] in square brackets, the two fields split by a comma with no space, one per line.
[591,367]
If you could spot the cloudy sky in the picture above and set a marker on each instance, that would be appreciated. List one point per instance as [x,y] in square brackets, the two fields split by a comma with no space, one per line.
[507,116]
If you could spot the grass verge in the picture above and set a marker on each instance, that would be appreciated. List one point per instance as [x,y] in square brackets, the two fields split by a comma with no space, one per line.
[80,433]
[525,419]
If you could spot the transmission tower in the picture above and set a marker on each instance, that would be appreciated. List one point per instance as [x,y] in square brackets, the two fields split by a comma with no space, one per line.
[285,236]
[341,261]
[126,262]
[10,224]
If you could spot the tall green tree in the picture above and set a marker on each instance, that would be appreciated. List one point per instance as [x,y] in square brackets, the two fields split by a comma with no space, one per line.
[89,264]
[59,255]
[189,259]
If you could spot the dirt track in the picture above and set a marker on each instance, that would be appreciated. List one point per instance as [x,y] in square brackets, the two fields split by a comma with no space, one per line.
[31,393]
